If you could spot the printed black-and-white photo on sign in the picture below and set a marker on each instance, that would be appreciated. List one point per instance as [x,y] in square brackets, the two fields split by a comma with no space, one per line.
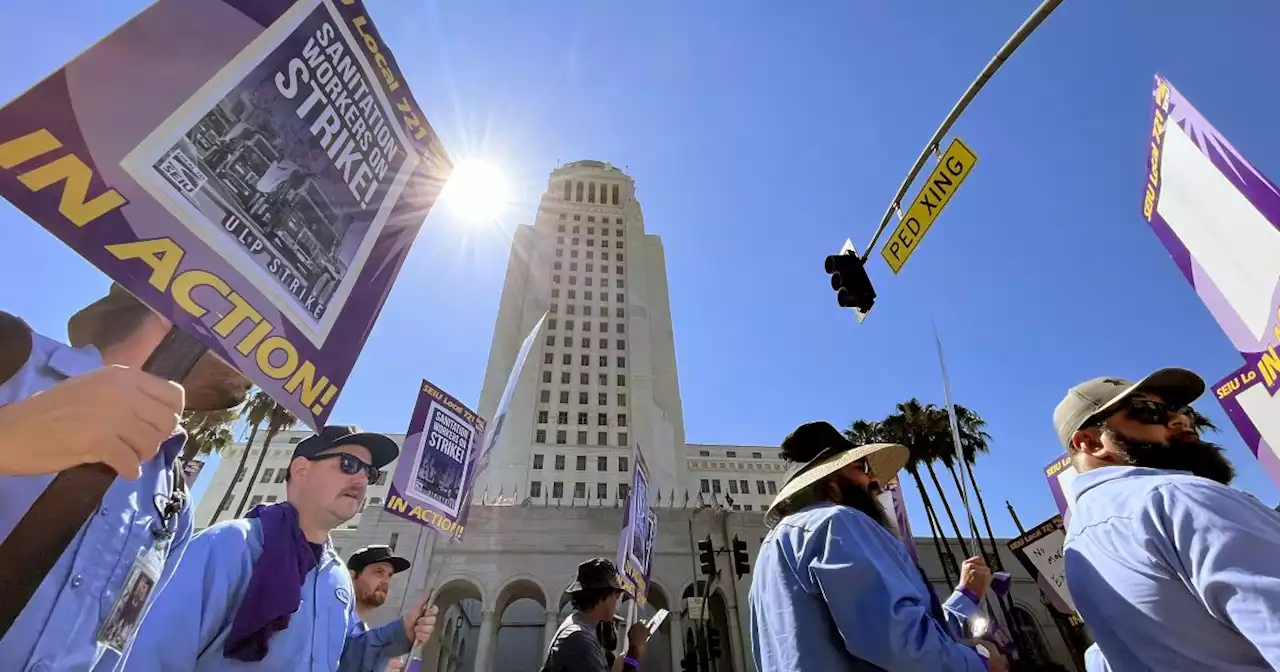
[291,171]
[443,458]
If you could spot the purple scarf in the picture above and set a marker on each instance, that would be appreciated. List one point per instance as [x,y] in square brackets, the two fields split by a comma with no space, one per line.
[275,589]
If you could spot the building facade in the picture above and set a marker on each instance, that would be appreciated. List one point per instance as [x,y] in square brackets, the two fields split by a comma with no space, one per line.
[599,389]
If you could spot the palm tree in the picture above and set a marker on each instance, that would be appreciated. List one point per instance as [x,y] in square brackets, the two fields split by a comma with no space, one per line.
[254,412]
[973,440]
[929,423]
[208,432]
[278,418]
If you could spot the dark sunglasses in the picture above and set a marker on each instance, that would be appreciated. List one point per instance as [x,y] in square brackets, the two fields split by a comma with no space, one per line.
[350,465]
[1155,412]
[1148,412]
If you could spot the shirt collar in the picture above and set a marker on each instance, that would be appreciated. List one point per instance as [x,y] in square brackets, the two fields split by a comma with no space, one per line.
[69,362]
[1096,477]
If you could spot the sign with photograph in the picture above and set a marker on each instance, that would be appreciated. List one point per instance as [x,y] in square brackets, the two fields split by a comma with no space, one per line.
[639,532]
[436,462]
[254,170]
[191,471]
[1219,218]
[1040,552]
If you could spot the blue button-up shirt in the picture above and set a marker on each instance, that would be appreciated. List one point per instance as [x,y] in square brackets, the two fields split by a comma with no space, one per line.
[834,590]
[57,630]
[1174,572]
[188,625]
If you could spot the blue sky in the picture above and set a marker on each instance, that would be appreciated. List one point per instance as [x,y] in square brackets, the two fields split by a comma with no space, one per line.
[761,135]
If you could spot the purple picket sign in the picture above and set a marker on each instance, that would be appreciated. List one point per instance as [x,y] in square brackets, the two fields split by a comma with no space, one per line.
[636,540]
[253,170]
[1219,218]
[429,486]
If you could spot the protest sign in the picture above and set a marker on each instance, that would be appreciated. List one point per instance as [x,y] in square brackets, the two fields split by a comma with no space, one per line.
[436,462]
[1059,474]
[191,471]
[639,531]
[253,170]
[896,508]
[1218,216]
[1040,552]
[494,432]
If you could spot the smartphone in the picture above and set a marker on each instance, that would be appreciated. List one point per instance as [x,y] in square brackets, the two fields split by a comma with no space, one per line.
[656,621]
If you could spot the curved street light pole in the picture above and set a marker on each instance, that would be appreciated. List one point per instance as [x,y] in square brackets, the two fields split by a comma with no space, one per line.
[1042,12]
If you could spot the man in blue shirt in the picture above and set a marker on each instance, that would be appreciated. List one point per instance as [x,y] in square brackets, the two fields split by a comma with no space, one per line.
[835,590]
[267,592]
[62,406]
[1170,568]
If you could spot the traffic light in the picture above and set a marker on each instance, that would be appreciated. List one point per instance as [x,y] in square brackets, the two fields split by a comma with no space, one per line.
[849,280]
[713,643]
[741,561]
[707,557]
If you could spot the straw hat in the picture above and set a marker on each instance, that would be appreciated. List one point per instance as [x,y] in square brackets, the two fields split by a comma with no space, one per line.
[819,450]
[108,318]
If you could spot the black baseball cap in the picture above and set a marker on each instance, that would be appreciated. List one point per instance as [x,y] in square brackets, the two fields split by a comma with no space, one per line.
[370,555]
[382,450]
[595,574]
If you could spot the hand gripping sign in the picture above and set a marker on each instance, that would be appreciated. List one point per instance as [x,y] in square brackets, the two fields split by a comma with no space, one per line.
[254,170]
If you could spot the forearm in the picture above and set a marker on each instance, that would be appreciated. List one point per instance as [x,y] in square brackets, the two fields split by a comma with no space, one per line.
[365,651]
[958,609]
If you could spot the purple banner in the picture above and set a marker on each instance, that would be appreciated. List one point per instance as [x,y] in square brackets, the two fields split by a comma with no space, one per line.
[1057,474]
[436,463]
[1219,217]
[896,507]
[254,171]
[639,528]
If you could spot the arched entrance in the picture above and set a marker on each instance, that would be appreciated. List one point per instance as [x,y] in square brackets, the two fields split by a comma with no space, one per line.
[657,655]
[1028,632]
[454,650]
[521,613]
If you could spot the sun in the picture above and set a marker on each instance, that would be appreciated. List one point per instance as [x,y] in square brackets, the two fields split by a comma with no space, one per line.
[477,191]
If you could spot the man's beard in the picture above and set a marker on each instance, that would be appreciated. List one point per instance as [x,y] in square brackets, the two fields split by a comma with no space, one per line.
[372,599]
[1184,452]
[857,497]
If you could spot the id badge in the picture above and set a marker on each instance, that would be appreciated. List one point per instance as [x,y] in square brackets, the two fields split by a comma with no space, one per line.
[123,618]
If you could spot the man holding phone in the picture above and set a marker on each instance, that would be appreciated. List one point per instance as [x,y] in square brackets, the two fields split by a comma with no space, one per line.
[580,642]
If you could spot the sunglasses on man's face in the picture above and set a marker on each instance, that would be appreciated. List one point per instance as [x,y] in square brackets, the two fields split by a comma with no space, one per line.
[350,465]
[1150,412]
[865,467]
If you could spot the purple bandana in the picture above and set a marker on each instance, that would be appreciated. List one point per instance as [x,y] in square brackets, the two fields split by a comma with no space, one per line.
[275,589]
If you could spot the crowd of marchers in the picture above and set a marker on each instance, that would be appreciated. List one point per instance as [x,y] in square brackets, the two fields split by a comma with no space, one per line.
[1169,566]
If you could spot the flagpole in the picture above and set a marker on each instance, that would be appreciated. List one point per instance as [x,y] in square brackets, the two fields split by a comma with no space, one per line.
[955,438]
